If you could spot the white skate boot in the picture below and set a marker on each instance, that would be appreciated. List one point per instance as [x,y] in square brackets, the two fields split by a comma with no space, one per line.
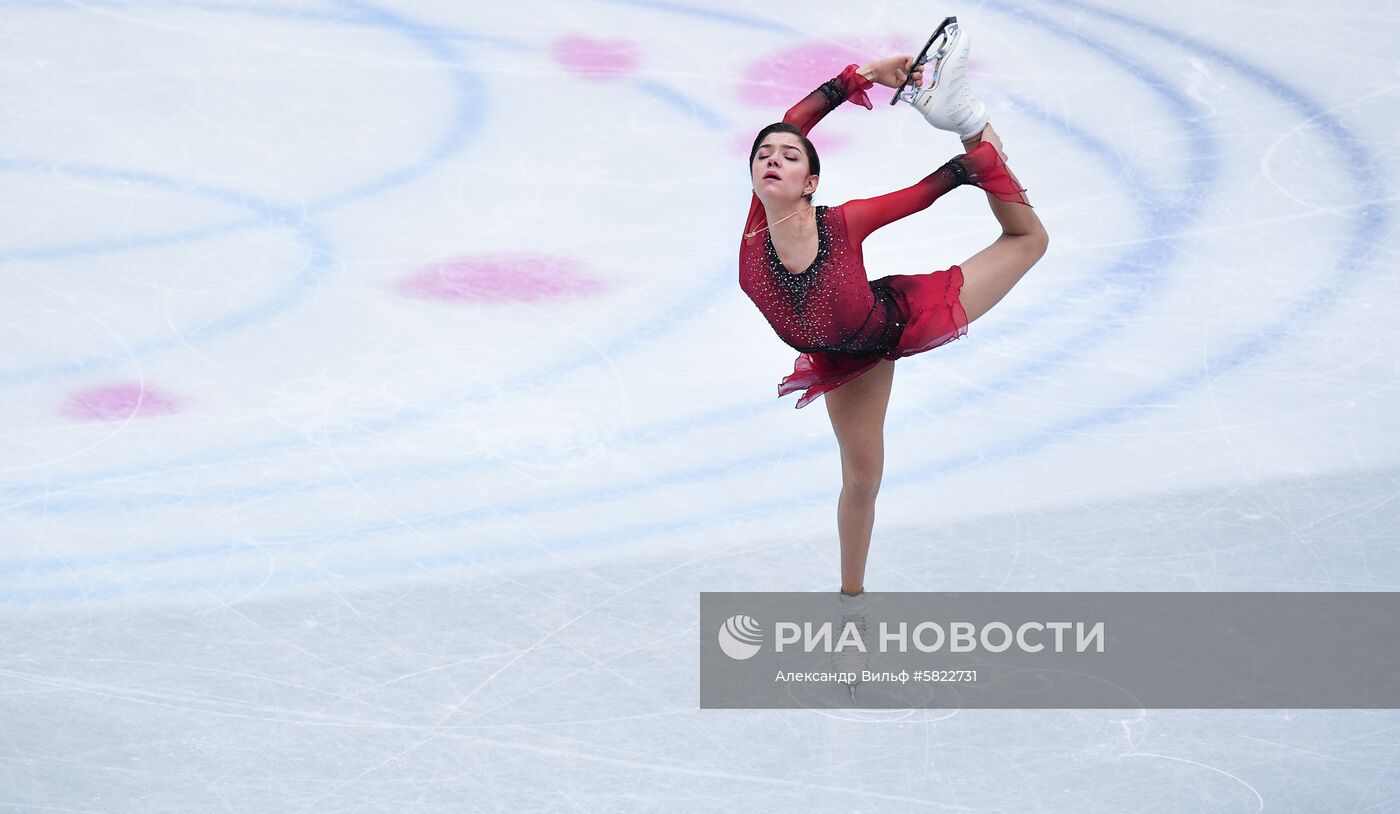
[946,101]
[850,659]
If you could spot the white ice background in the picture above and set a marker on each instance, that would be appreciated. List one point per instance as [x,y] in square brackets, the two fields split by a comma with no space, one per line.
[356,550]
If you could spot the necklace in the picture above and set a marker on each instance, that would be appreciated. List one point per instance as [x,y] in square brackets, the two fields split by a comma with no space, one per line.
[771,225]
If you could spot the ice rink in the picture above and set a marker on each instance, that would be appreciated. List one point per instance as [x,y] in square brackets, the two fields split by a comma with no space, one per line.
[379,397]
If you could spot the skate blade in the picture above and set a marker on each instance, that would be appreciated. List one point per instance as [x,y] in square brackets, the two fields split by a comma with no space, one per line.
[948,30]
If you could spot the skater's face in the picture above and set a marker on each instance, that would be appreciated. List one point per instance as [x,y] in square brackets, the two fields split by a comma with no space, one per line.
[780,168]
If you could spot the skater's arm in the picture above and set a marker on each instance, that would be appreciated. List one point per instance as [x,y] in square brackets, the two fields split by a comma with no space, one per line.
[865,215]
[981,167]
[851,84]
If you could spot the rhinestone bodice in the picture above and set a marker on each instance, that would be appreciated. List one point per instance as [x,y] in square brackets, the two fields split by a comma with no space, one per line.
[831,306]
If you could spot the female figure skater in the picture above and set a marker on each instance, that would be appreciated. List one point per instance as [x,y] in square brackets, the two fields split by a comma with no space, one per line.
[802,266]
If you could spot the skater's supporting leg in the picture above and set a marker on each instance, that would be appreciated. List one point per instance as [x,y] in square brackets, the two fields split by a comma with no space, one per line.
[990,274]
[857,410]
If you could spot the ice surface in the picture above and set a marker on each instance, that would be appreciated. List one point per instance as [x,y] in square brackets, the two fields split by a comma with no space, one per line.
[379,397]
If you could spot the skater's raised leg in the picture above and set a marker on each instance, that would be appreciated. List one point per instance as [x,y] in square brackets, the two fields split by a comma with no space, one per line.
[948,103]
[990,274]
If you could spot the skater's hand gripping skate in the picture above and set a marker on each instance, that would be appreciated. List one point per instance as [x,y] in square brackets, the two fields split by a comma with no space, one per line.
[892,72]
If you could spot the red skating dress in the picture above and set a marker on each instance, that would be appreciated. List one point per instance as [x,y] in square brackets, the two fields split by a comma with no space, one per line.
[842,322]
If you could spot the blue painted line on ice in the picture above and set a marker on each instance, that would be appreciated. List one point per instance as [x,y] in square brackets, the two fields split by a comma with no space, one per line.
[1372,219]
[667,321]
[438,520]
[51,492]
[471,104]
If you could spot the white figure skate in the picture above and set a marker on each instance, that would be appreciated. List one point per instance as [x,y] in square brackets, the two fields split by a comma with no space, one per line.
[850,659]
[946,100]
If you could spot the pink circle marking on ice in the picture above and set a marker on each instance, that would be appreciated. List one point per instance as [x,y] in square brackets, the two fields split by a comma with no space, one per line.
[781,79]
[595,59]
[500,278]
[118,402]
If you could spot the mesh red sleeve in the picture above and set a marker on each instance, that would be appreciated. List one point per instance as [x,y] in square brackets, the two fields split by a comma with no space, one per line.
[982,167]
[848,85]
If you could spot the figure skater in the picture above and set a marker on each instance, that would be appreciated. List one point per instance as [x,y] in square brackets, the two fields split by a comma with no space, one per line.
[802,266]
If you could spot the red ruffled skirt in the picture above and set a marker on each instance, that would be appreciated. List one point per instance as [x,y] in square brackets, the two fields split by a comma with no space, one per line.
[932,314]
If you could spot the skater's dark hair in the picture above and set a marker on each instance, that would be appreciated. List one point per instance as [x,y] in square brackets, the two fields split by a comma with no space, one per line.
[783,127]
